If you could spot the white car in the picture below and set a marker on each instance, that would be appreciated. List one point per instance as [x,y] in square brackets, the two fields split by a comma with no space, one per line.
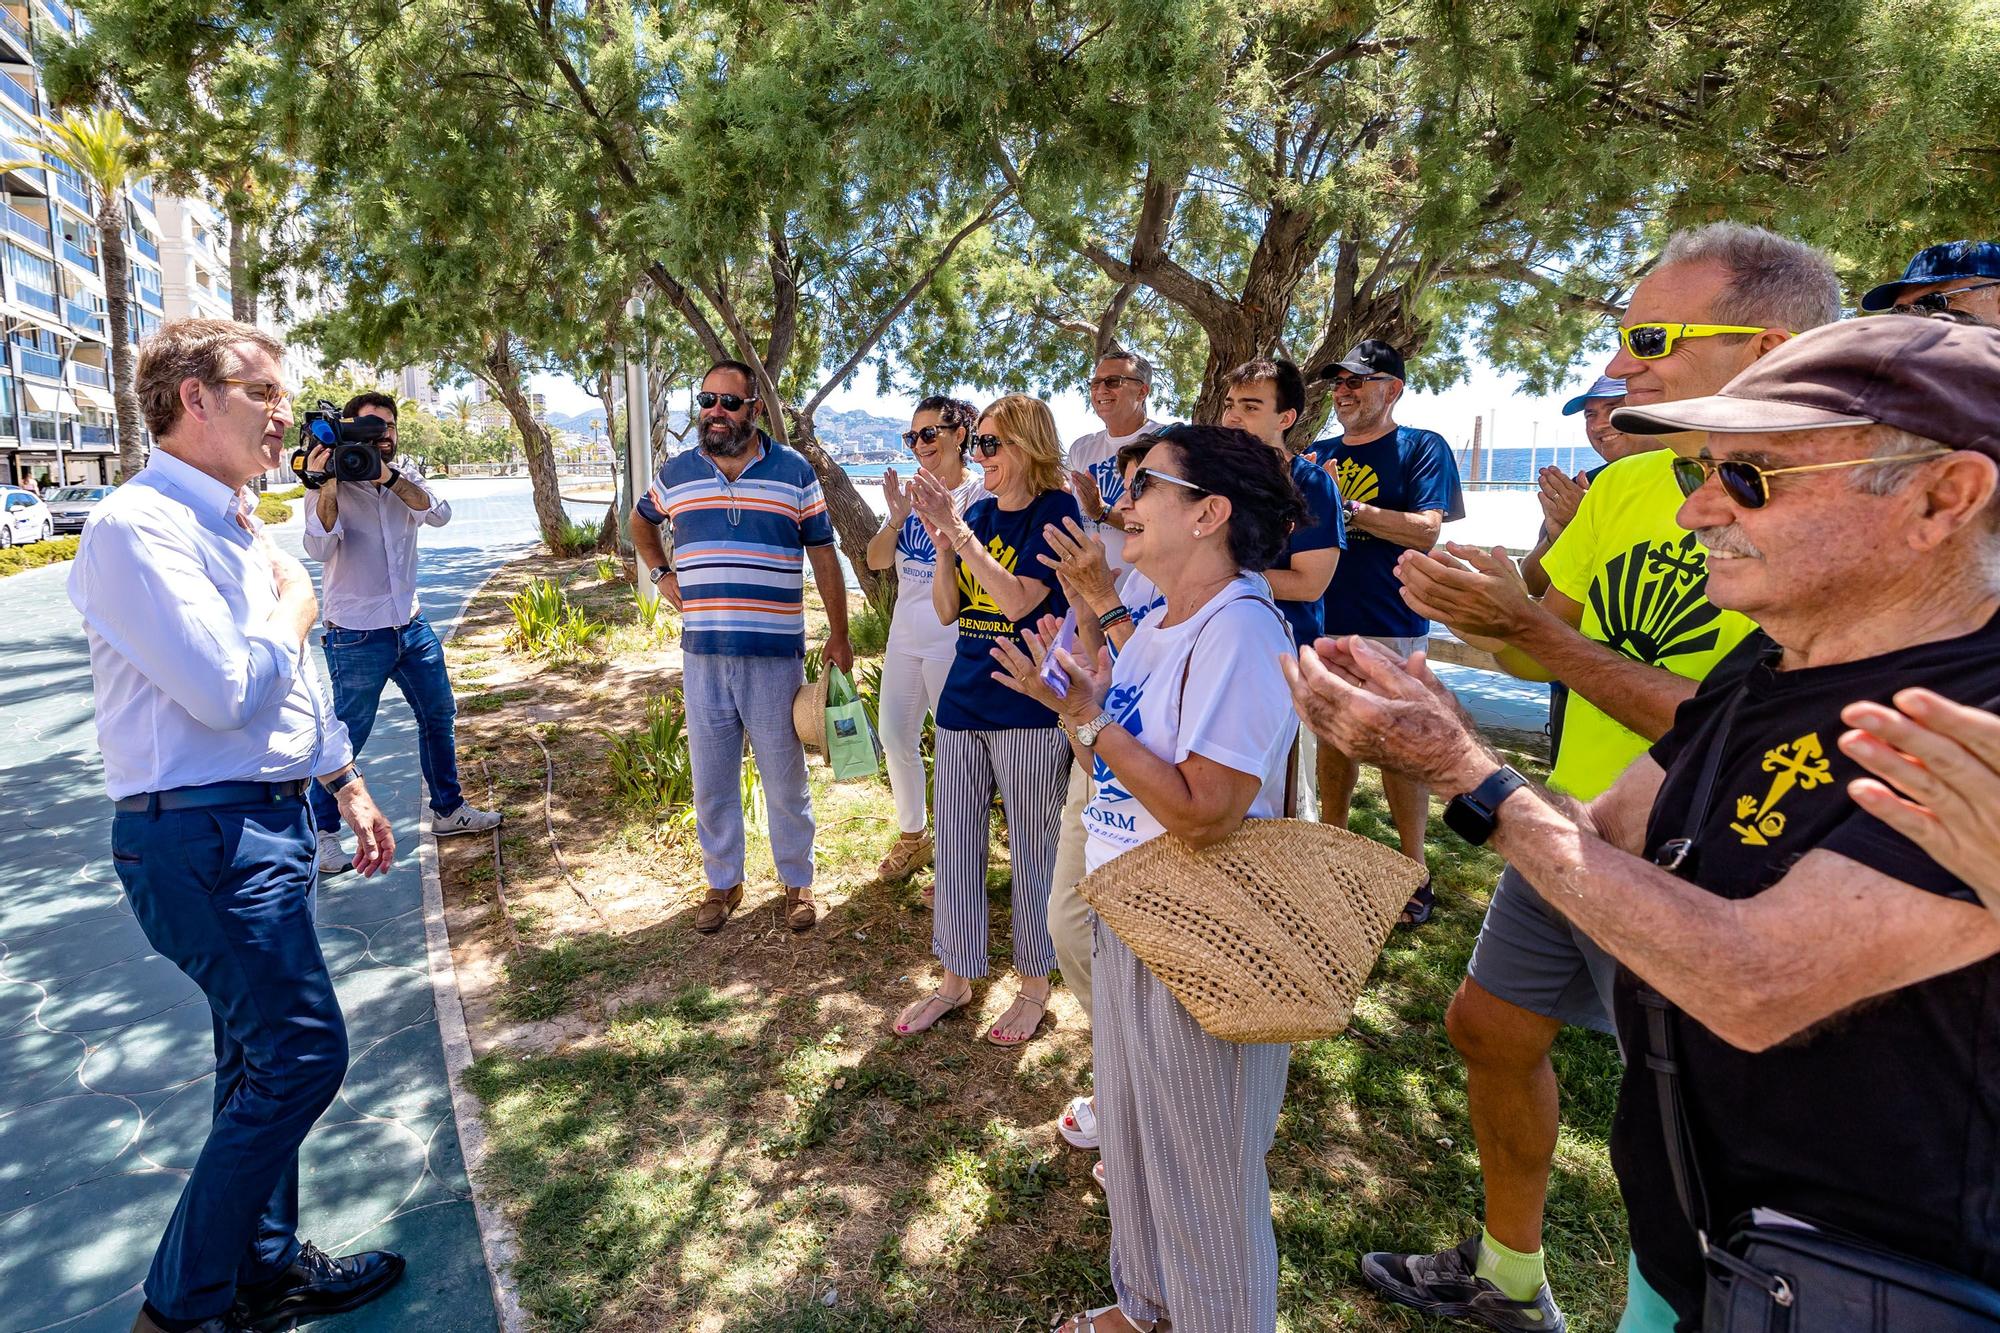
[69,506]
[23,517]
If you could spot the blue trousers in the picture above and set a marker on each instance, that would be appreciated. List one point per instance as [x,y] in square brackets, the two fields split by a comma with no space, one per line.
[226,894]
[728,698]
[360,662]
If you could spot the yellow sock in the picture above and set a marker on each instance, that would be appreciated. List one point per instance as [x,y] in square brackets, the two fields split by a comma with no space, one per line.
[1519,1276]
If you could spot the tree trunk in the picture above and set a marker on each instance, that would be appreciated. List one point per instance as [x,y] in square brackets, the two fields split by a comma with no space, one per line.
[117,274]
[853,521]
[242,298]
[502,374]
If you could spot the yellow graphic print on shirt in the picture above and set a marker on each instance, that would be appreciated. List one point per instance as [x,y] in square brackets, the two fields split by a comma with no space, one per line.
[977,599]
[1358,482]
[1802,764]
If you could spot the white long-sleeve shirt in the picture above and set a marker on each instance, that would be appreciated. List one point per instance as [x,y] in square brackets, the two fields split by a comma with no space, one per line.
[193,683]
[369,580]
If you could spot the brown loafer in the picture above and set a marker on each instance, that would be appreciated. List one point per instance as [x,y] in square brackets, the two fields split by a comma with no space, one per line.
[800,913]
[716,908]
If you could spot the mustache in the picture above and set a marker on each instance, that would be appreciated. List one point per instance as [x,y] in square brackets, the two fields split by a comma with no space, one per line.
[1727,540]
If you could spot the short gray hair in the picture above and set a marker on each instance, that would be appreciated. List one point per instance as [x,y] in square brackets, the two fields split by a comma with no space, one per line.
[1893,446]
[1142,369]
[1775,282]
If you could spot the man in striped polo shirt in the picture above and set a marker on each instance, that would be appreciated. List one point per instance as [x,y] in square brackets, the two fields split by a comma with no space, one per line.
[747,514]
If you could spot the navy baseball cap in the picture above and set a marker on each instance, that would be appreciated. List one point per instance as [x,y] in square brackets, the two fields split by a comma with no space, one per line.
[1606,387]
[1939,263]
[1370,356]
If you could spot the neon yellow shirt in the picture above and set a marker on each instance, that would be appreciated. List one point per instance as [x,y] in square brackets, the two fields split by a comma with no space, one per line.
[1642,580]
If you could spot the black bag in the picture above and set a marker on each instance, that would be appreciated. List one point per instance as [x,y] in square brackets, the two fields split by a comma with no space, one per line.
[1773,1278]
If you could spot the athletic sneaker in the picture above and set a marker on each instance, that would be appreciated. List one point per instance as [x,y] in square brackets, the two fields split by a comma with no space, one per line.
[333,858]
[468,818]
[1444,1284]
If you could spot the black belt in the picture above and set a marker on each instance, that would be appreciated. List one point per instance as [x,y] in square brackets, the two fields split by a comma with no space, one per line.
[215,793]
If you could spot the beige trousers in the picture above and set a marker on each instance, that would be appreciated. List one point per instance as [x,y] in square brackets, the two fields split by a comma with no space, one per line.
[1070,918]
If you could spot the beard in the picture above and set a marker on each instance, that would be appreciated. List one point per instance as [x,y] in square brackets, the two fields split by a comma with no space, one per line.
[726,437]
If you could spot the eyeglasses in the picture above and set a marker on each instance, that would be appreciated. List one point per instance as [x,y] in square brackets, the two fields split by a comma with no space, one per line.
[1143,479]
[1650,342]
[268,392]
[1938,303]
[987,446]
[1114,382]
[1353,382]
[928,435]
[731,402]
[1749,485]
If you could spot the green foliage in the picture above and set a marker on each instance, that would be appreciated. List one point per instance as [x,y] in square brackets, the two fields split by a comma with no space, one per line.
[575,538]
[272,508]
[547,625]
[655,615]
[608,570]
[652,769]
[15,559]
[868,629]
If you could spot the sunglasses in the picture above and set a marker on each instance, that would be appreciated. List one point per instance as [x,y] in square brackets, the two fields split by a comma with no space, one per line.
[1143,479]
[1650,342]
[1115,382]
[987,446]
[264,391]
[1749,485]
[731,402]
[928,435]
[1352,382]
[1937,303]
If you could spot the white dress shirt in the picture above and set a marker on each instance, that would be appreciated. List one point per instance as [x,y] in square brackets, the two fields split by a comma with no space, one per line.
[193,683]
[370,555]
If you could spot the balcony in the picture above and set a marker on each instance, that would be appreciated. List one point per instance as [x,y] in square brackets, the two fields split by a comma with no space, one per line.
[96,435]
[92,375]
[59,15]
[146,246]
[72,191]
[38,363]
[36,297]
[16,94]
[23,225]
[11,26]
[81,317]
[43,428]
[143,192]
[81,258]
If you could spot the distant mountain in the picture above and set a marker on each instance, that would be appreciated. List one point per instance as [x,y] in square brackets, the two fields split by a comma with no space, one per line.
[580,422]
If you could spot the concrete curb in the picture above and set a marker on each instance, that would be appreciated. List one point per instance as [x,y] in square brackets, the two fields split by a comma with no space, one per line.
[496,1233]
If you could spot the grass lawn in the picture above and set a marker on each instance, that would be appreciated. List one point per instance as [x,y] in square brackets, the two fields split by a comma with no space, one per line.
[15,559]
[721,1134]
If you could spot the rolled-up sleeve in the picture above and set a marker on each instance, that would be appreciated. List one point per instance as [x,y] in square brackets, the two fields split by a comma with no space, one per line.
[319,540]
[150,598]
[439,513]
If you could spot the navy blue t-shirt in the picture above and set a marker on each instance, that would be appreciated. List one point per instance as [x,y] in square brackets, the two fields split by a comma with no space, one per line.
[1322,529]
[972,699]
[1409,470]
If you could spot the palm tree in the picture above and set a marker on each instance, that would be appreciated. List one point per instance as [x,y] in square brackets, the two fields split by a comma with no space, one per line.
[99,146]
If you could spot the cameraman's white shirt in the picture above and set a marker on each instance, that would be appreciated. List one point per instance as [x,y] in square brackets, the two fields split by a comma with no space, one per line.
[192,686]
[370,556]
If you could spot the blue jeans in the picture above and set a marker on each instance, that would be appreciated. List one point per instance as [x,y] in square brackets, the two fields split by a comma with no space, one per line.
[226,894]
[360,662]
[727,698]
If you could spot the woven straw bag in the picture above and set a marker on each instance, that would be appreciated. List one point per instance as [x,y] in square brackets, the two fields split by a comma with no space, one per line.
[1267,936]
[809,712]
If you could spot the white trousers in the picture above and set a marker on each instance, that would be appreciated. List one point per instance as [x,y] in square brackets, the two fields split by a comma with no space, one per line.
[910,689]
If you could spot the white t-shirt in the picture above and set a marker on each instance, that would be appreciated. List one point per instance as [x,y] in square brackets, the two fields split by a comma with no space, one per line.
[1235,708]
[1097,454]
[914,629]
[1137,594]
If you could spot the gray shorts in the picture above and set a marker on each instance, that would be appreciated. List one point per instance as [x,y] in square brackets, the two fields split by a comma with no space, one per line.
[1529,955]
[1400,646]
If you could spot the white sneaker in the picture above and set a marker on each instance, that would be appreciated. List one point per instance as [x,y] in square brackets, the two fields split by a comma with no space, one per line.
[466,819]
[333,859]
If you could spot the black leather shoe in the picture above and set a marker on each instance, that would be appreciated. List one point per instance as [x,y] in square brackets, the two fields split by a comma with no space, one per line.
[317,1284]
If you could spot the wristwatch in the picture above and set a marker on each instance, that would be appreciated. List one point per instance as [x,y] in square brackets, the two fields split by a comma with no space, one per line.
[1087,734]
[394,477]
[347,777]
[659,572]
[1476,814]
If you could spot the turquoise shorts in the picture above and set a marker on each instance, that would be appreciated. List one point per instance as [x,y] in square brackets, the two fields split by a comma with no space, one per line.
[1646,1311]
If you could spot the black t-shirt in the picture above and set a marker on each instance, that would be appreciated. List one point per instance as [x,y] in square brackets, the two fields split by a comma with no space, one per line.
[1883,1121]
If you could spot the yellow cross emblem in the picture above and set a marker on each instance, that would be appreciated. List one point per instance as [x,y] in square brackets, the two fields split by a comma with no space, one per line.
[1802,764]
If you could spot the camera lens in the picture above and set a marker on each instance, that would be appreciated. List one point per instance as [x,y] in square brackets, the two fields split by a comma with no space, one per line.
[356,462]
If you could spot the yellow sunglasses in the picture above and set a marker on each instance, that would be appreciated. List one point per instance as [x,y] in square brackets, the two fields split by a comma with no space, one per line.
[1650,342]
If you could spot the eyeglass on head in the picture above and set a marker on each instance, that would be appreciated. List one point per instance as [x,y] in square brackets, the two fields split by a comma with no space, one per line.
[1352,382]
[1939,303]
[1650,342]
[1114,382]
[928,435]
[731,402]
[987,446]
[1143,479]
[1748,485]
[268,392]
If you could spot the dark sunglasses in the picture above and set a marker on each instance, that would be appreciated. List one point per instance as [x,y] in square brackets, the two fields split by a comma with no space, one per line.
[1352,382]
[1115,382]
[731,402]
[1650,342]
[1749,486]
[1937,303]
[928,435]
[987,446]
[1143,479]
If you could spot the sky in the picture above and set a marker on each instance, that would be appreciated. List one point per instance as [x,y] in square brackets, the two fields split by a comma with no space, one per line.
[1515,417]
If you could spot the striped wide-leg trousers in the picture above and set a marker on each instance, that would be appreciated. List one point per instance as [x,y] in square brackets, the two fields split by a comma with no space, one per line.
[1030,766]
[1185,1121]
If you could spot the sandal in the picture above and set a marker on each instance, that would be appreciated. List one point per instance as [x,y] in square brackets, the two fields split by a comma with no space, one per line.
[993,1036]
[1097,1174]
[1418,910]
[900,1026]
[1087,1322]
[1078,1123]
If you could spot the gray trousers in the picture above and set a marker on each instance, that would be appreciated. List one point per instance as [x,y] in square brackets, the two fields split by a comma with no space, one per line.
[728,698]
[1185,1120]
[1029,766]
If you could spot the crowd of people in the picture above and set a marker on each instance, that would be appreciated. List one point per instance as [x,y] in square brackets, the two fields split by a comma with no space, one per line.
[1764,860]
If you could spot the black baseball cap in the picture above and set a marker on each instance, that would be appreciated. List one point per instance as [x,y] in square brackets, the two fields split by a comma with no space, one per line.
[1370,356]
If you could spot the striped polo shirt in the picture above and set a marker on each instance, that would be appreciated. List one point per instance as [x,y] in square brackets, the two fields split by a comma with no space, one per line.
[739,548]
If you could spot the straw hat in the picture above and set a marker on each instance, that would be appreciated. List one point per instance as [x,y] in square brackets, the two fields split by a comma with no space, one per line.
[1268,935]
[809,712]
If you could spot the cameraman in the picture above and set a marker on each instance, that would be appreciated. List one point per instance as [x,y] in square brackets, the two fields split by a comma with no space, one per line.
[365,534]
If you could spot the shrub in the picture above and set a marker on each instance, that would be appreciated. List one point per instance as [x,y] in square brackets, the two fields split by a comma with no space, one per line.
[609,570]
[289,493]
[655,615]
[546,625]
[868,630]
[272,509]
[653,769]
[576,538]
[15,559]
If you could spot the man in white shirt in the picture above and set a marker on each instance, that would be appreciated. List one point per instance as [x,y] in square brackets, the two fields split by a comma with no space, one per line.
[1119,386]
[212,727]
[364,533]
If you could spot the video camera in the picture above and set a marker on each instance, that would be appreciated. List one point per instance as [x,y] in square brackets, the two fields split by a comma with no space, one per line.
[355,441]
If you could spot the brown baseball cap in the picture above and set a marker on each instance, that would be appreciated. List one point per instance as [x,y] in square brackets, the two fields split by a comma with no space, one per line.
[1937,378]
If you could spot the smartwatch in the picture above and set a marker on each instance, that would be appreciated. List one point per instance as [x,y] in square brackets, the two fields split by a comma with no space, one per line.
[1474,815]
[346,778]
